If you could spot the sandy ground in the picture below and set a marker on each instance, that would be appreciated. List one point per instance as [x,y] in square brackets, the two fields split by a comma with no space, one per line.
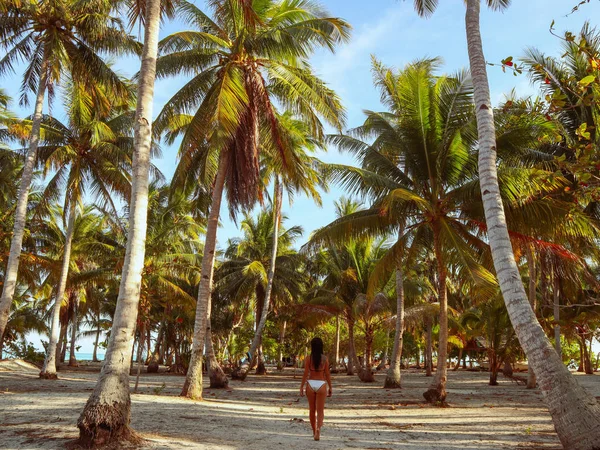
[266,412]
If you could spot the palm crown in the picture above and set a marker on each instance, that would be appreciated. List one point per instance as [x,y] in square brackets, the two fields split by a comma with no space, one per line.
[242,61]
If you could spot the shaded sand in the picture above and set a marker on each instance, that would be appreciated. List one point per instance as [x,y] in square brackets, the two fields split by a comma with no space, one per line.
[267,413]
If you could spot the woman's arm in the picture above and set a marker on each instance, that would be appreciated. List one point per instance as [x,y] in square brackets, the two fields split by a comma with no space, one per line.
[304,377]
[328,378]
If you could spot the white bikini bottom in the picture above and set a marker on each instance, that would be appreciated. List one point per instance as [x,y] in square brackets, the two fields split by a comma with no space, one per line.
[315,385]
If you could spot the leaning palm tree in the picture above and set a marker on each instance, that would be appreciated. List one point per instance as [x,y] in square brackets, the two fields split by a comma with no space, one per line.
[53,38]
[91,153]
[575,413]
[241,62]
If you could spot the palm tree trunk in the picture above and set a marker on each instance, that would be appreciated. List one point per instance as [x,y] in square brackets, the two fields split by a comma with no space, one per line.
[107,414]
[281,343]
[437,390]
[385,357]
[61,348]
[587,362]
[531,380]
[140,350]
[218,379]
[49,368]
[72,358]
[575,413]
[351,351]
[556,304]
[16,243]
[392,379]
[277,199]
[192,387]
[493,368]
[337,342]
[428,347]
[460,354]
[95,354]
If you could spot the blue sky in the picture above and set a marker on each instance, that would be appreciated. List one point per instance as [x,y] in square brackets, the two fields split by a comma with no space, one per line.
[392,31]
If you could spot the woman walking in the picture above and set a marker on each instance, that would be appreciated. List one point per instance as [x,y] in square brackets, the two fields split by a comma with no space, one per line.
[317,376]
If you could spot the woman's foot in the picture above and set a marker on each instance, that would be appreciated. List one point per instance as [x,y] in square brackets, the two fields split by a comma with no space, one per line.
[317,435]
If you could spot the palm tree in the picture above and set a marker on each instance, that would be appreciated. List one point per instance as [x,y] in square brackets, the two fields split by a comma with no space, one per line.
[419,170]
[53,38]
[306,180]
[107,413]
[346,287]
[89,153]
[246,272]
[242,61]
[569,404]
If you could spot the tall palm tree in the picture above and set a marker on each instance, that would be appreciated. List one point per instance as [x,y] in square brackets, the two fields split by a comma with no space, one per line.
[568,402]
[575,413]
[91,153]
[306,181]
[81,237]
[53,38]
[242,60]
[107,413]
[420,172]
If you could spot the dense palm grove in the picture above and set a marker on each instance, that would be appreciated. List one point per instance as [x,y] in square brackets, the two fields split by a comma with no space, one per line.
[106,247]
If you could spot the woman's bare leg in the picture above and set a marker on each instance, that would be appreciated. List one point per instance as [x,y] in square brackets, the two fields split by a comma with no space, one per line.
[321,395]
[312,400]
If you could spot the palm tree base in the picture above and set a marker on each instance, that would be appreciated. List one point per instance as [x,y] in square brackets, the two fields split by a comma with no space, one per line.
[261,369]
[218,379]
[48,376]
[366,376]
[100,425]
[392,380]
[152,367]
[435,395]
[193,391]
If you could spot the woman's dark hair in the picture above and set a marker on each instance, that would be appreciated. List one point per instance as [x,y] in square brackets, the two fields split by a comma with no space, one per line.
[316,349]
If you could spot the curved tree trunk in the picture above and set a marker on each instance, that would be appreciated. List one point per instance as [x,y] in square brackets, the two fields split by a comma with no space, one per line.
[96,340]
[107,414]
[280,363]
[140,351]
[192,387]
[218,379]
[365,374]
[49,368]
[277,199]
[61,348]
[575,413]
[437,390]
[72,358]
[556,307]
[16,243]
[385,357]
[531,380]
[392,379]
[428,347]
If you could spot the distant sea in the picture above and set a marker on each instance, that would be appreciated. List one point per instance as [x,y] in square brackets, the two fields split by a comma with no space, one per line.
[86,356]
